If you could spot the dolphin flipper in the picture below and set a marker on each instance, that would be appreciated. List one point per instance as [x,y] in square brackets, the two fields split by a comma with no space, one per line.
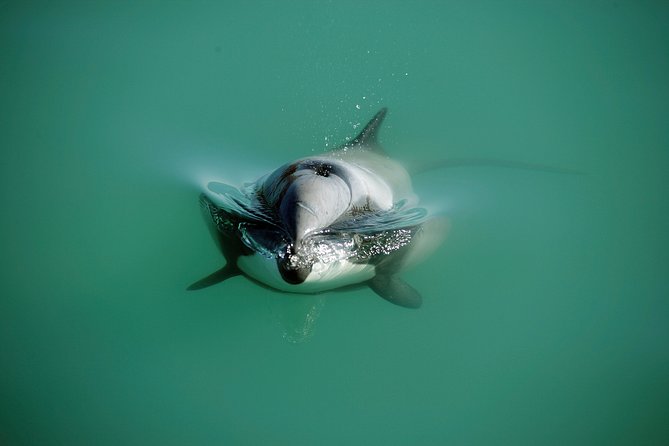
[216,277]
[395,290]
[387,283]
[220,223]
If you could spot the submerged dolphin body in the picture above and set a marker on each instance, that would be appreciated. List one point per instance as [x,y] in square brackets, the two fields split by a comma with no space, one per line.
[346,217]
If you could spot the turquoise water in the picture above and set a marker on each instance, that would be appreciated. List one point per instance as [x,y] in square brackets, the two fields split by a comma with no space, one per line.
[546,313]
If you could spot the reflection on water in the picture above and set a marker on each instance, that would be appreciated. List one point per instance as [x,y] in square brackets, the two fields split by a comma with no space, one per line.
[296,314]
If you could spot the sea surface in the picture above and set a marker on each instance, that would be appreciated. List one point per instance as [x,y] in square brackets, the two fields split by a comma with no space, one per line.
[545,317]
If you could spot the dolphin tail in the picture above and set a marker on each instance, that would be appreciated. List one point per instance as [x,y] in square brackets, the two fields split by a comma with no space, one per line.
[395,290]
[216,277]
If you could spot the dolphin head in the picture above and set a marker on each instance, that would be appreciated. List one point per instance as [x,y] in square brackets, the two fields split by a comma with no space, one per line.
[314,197]
[314,200]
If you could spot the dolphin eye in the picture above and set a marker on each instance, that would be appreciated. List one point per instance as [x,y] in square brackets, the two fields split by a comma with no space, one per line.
[323,169]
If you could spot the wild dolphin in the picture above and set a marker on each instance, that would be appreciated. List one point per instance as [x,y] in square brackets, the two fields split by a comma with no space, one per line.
[343,218]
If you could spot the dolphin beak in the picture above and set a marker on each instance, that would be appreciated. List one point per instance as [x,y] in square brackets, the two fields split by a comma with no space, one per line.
[294,276]
[291,274]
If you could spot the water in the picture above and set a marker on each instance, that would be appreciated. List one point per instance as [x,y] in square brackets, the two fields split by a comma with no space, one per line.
[545,316]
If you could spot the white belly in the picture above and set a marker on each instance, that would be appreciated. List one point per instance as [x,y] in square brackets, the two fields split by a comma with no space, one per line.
[323,276]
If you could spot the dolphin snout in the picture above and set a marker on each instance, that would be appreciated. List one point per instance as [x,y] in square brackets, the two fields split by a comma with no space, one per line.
[291,270]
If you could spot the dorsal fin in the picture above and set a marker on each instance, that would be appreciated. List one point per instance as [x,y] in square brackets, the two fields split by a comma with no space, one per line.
[367,138]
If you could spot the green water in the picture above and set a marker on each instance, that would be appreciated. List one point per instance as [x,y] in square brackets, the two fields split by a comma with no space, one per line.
[546,312]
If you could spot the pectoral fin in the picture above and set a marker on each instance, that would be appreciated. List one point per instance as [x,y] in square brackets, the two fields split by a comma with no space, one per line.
[395,290]
[212,279]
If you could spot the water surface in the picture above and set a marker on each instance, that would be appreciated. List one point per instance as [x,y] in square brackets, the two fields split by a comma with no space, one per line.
[545,316]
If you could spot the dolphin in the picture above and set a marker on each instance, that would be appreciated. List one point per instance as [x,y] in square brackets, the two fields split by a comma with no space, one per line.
[341,219]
